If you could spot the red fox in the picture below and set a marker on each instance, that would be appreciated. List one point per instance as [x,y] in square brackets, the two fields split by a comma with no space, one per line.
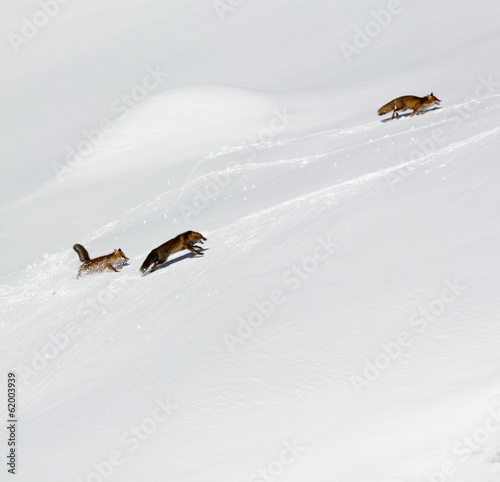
[417,104]
[160,254]
[110,261]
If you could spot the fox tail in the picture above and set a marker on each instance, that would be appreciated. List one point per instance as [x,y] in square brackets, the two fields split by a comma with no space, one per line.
[386,108]
[150,259]
[82,252]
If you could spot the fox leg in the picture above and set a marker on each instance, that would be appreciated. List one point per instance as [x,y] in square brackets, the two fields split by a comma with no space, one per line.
[395,113]
[190,248]
[155,266]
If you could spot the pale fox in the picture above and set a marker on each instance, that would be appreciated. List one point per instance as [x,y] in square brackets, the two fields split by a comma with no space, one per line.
[160,254]
[416,104]
[108,262]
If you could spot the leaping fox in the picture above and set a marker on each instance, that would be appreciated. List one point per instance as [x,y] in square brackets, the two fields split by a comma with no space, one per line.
[417,104]
[160,254]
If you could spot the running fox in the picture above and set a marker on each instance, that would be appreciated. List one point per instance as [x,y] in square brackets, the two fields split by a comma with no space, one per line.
[111,261]
[417,104]
[160,254]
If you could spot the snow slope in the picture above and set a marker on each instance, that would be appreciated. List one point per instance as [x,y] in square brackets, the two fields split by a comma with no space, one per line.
[343,321]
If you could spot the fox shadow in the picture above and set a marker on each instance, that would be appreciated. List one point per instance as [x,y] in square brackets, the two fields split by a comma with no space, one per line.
[408,114]
[170,262]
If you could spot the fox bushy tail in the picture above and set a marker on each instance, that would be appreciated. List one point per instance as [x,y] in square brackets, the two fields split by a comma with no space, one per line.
[150,259]
[83,254]
[386,108]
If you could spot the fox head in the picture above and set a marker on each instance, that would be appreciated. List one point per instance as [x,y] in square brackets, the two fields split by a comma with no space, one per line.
[433,99]
[196,237]
[119,254]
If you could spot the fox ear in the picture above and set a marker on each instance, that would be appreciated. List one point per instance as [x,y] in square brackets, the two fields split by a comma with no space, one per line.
[116,251]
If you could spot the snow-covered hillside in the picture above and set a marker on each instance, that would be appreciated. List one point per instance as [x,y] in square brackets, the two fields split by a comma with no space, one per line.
[343,322]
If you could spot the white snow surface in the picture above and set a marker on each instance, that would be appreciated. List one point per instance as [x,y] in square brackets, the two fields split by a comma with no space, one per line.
[343,323]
